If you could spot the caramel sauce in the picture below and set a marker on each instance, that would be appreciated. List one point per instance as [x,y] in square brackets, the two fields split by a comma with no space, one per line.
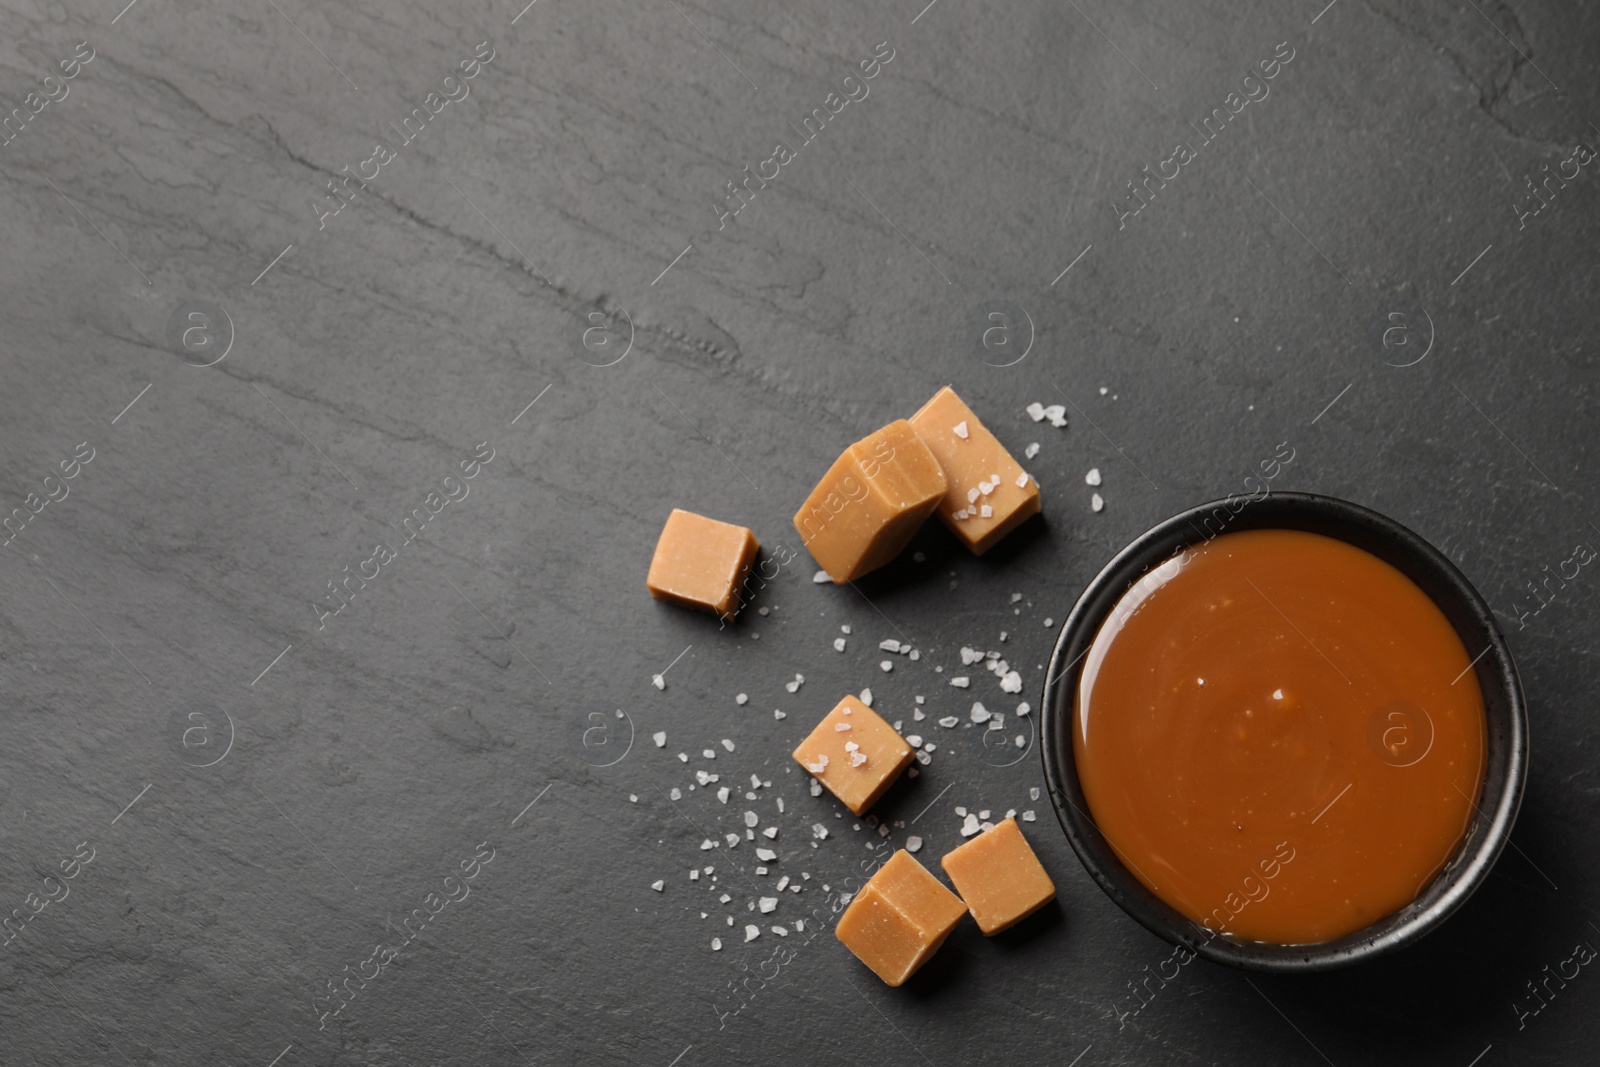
[1280,735]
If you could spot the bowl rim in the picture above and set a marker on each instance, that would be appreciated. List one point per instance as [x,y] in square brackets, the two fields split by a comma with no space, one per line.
[1505,712]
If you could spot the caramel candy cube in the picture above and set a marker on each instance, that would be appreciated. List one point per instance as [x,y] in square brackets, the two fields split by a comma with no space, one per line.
[899,919]
[855,754]
[871,502]
[699,562]
[999,877]
[989,493]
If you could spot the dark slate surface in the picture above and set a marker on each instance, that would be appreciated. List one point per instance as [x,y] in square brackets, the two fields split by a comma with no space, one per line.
[265,801]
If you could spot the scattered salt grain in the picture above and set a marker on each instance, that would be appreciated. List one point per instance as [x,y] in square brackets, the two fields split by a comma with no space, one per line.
[1027,816]
[1032,450]
[913,844]
[818,767]
[960,429]
[970,825]
[1022,480]
[820,577]
[979,713]
[660,738]
[658,885]
[751,933]
[727,744]
[886,666]
[1097,502]
[658,681]
[866,698]
[716,944]
[776,714]
[838,644]
[949,721]
[741,699]
[1011,682]
[1035,411]
[1093,477]
[769,905]
[840,727]
[766,855]
[962,682]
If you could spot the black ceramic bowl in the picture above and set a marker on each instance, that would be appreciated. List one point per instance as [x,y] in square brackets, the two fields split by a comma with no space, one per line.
[1507,726]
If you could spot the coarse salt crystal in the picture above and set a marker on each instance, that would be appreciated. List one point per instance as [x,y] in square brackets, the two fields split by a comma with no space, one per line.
[960,429]
[886,666]
[769,905]
[1093,477]
[716,944]
[913,844]
[660,738]
[838,644]
[972,498]
[741,699]
[1097,502]
[819,766]
[658,885]
[751,933]
[889,645]
[1035,411]
[766,855]
[1022,480]
[970,825]
[866,698]
[1012,682]
[727,744]
[820,577]
[962,682]
[979,712]
[986,512]
[949,721]
[840,727]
